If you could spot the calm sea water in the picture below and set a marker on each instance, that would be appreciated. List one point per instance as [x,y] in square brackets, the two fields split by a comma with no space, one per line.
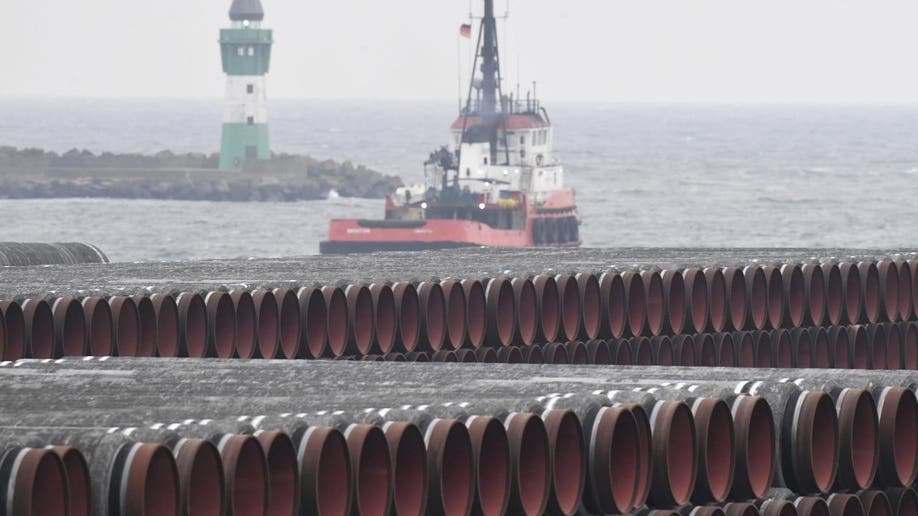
[644,175]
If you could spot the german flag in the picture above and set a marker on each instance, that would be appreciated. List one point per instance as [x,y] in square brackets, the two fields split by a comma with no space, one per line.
[465,30]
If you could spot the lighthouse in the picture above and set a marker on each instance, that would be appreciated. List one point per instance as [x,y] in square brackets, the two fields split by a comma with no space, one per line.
[246,54]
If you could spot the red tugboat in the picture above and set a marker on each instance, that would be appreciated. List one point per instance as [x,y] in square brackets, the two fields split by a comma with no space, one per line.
[497,184]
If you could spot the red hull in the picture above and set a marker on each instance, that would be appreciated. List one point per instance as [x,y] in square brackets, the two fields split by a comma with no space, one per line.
[352,235]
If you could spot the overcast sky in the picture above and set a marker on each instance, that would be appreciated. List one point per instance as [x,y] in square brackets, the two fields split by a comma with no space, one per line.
[861,51]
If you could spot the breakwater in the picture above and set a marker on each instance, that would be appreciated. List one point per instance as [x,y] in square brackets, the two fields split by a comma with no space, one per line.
[33,173]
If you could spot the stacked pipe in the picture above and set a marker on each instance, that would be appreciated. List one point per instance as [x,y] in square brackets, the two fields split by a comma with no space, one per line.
[183,436]
[843,315]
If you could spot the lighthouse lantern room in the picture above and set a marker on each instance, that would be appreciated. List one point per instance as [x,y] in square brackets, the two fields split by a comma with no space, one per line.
[246,53]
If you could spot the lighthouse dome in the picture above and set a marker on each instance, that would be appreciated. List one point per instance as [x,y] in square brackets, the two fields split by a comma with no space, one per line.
[242,10]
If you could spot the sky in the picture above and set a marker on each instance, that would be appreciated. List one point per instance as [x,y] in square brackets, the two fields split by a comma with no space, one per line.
[732,51]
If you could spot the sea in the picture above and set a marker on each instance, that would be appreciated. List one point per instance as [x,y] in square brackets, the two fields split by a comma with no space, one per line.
[644,174]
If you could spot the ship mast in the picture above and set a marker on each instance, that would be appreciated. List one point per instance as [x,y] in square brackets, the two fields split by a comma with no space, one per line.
[489,89]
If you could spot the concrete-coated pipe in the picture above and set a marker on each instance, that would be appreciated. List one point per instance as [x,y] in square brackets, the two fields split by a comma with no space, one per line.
[245,474]
[467,356]
[781,346]
[774,283]
[801,348]
[501,313]
[835,293]
[653,302]
[715,445]
[554,353]
[905,290]
[192,317]
[764,350]
[168,333]
[126,322]
[777,507]
[571,307]
[23,254]
[409,316]
[146,320]
[614,305]
[740,509]
[34,482]
[636,303]
[871,306]
[221,321]
[577,353]
[288,307]
[336,326]
[432,305]
[246,323]
[510,355]
[492,356]
[903,501]
[620,353]
[852,299]
[745,346]
[476,312]
[898,435]
[39,325]
[567,461]
[858,444]
[663,352]
[370,464]
[325,471]
[385,318]
[268,324]
[283,473]
[99,326]
[839,347]
[718,308]
[69,327]
[756,298]
[821,353]
[456,316]
[811,506]
[888,272]
[527,323]
[845,505]
[674,302]
[875,503]
[14,330]
[696,294]
[314,321]
[737,304]
[814,285]
[878,347]
[549,304]
[642,349]
[491,450]
[858,347]
[598,351]
[360,318]
[908,338]
[592,315]
[409,468]
[445,356]
[684,350]
[725,348]
[795,295]
[201,477]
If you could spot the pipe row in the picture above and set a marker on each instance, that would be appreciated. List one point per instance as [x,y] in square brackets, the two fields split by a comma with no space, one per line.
[663,436]
[449,315]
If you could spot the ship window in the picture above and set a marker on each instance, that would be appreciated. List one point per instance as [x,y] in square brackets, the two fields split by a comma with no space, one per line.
[251,51]
[250,88]
[240,51]
[468,172]
[522,139]
[250,120]
[485,160]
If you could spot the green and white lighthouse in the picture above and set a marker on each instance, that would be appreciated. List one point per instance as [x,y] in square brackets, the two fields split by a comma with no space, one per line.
[246,53]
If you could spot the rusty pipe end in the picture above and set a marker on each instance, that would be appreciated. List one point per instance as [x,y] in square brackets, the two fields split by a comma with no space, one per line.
[716,444]
[491,449]
[409,468]
[325,471]
[755,447]
[201,477]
